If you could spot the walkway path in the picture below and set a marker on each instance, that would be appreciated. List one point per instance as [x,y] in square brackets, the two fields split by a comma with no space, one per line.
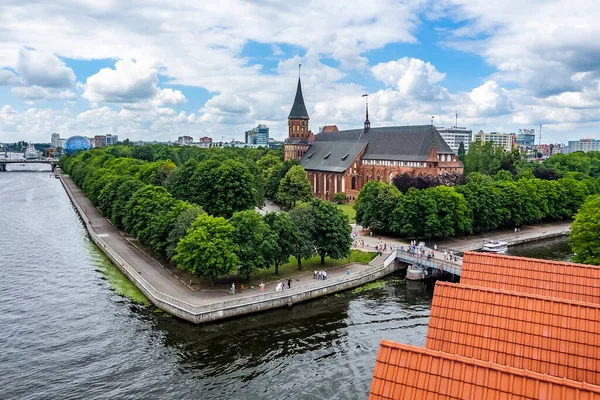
[162,279]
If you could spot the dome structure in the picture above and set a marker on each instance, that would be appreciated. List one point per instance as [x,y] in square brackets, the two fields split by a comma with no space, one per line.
[76,143]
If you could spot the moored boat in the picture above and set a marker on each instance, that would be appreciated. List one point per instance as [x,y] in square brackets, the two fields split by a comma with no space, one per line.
[494,246]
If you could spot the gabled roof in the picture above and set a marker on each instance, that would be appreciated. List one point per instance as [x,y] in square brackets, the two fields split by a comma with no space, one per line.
[403,143]
[332,156]
[298,110]
[565,280]
[543,334]
[411,373]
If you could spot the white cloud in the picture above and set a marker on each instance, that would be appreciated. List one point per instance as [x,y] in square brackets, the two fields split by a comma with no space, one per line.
[489,99]
[42,93]
[412,77]
[8,78]
[38,68]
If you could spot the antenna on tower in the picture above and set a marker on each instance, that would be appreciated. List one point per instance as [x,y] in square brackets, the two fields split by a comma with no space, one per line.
[456,121]
[299,65]
[540,141]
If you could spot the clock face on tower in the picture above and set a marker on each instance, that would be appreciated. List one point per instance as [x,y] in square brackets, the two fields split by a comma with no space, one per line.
[289,123]
[302,124]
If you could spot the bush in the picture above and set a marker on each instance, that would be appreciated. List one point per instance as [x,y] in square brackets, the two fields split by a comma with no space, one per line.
[339,198]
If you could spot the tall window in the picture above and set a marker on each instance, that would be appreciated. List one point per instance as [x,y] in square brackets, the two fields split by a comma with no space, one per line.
[353,183]
[378,176]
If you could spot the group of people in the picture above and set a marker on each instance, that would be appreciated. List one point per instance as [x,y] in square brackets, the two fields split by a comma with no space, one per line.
[281,285]
[450,256]
[320,275]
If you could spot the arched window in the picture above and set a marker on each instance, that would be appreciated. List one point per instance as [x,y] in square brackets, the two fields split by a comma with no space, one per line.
[391,177]
[378,176]
[353,183]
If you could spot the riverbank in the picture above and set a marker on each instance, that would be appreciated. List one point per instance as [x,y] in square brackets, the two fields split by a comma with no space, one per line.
[171,295]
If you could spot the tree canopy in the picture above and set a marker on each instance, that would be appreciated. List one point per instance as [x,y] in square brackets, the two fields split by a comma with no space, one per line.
[585,232]
[294,186]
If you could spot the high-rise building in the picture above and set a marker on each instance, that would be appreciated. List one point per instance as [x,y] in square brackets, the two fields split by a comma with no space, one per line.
[584,145]
[185,140]
[258,136]
[98,141]
[505,140]
[109,140]
[55,140]
[525,140]
[456,135]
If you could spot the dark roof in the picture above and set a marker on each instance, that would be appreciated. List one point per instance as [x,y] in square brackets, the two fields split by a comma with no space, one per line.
[298,110]
[402,143]
[332,156]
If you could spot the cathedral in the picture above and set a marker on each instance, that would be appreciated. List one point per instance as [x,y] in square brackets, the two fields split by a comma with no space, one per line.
[343,161]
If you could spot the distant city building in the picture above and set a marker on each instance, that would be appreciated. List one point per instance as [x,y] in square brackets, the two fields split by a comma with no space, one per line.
[456,135]
[75,144]
[61,143]
[54,140]
[185,140]
[584,145]
[109,140]
[97,141]
[258,136]
[274,144]
[204,142]
[525,140]
[505,140]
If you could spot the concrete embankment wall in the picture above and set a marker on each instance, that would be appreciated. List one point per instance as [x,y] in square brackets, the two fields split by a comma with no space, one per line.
[237,306]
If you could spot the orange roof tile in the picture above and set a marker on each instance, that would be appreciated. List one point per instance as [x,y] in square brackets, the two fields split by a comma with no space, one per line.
[541,277]
[542,334]
[411,373]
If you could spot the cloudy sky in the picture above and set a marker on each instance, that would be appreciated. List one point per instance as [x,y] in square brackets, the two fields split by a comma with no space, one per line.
[153,71]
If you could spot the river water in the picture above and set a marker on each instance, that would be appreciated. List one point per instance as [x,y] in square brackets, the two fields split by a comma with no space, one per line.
[67,331]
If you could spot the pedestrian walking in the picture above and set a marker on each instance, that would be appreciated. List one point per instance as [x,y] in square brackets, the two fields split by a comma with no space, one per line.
[325,275]
[319,275]
[232,290]
[435,247]
[315,274]
[289,283]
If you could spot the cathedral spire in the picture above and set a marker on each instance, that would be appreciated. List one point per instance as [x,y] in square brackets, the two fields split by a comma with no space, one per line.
[367,122]
[298,110]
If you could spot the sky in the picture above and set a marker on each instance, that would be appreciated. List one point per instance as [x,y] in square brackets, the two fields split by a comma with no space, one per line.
[155,70]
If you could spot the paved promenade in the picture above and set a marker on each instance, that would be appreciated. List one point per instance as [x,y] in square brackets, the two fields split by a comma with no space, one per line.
[162,279]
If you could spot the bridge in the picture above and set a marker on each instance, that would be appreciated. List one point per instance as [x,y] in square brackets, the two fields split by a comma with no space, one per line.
[451,267]
[53,162]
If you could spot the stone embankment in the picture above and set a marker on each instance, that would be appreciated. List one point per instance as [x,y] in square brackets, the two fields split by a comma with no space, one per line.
[172,296]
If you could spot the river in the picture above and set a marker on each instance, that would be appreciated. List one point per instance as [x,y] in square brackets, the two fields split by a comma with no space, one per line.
[72,327]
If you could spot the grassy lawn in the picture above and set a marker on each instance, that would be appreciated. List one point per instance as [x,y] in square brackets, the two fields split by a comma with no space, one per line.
[349,211]
[314,263]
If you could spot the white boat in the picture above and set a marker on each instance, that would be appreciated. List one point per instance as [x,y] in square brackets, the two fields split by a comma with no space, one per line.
[31,153]
[494,246]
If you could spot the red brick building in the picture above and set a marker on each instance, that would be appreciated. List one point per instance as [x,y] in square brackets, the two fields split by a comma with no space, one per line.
[344,161]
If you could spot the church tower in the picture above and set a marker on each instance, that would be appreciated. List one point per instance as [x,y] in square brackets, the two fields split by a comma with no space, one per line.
[297,142]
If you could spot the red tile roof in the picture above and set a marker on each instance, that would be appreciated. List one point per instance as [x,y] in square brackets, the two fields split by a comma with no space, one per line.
[411,373]
[540,277]
[542,334]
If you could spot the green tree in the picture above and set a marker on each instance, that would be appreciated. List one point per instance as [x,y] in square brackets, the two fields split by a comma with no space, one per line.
[585,232]
[179,180]
[332,230]
[141,208]
[286,236]
[208,249]
[304,220]
[256,243]
[294,186]
[461,152]
[183,222]
[124,193]
[375,205]
[275,177]
[143,153]
[109,193]
[267,163]
[224,189]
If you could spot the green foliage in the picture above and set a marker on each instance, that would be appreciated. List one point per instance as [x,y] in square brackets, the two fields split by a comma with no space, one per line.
[182,223]
[224,188]
[257,244]
[304,221]
[286,236]
[294,186]
[484,158]
[339,198]
[208,249]
[332,231]
[375,205]
[585,232]
[143,153]
[461,152]
[439,211]
[275,176]
[124,193]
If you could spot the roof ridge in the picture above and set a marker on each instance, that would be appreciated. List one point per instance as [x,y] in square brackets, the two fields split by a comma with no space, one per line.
[514,293]
[488,364]
[530,260]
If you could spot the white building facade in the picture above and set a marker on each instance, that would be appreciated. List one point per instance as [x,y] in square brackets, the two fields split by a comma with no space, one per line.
[456,135]
[505,140]
[584,145]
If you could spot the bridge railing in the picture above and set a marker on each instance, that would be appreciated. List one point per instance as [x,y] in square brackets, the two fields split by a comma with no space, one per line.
[444,265]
